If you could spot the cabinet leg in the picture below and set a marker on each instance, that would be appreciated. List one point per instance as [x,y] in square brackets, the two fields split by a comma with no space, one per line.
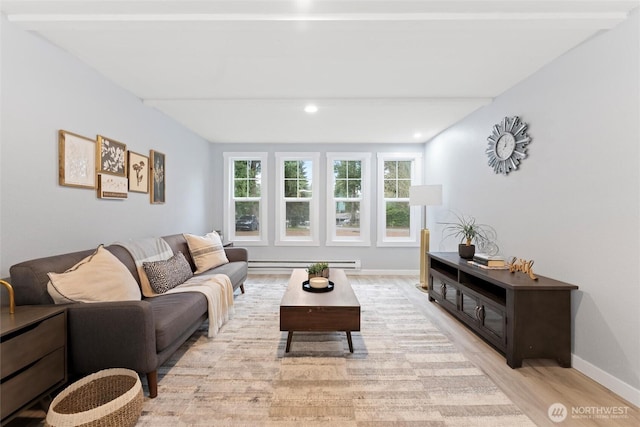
[514,362]
[564,362]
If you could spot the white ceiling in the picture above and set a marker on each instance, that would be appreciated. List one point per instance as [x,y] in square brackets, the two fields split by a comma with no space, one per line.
[379,71]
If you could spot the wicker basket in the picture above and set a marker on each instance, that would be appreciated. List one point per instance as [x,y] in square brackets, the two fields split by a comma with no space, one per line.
[112,397]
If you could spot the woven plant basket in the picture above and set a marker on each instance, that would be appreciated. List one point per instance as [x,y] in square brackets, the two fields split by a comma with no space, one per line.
[108,398]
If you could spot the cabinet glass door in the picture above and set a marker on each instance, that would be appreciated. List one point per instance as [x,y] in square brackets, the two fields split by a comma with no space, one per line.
[493,319]
[451,295]
[469,306]
[438,288]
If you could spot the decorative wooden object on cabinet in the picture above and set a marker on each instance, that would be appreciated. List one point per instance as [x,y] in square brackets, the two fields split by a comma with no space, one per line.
[520,317]
[33,350]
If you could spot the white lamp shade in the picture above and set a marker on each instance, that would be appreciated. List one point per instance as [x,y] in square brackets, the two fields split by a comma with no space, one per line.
[425,195]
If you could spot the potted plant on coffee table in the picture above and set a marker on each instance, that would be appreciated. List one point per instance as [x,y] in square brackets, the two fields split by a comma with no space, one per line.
[319,269]
[469,231]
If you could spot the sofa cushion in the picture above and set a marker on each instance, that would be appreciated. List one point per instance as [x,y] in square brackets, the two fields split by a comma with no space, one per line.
[207,252]
[173,314]
[167,274]
[97,278]
[236,271]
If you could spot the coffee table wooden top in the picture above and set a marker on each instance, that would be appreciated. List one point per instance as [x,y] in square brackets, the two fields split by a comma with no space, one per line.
[341,296]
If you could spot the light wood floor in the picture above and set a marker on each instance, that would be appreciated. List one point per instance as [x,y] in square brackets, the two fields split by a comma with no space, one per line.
[535,386]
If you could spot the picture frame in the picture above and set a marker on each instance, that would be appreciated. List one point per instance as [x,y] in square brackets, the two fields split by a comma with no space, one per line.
[112,186]
[157,182]
[138,172]
[111,156]
[76,160]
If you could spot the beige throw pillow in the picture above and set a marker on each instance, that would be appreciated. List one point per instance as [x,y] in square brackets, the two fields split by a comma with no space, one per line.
[207,252]
[97,278]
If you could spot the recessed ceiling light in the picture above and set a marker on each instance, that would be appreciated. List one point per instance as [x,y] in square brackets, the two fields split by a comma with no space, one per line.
[417,135]
[311,108]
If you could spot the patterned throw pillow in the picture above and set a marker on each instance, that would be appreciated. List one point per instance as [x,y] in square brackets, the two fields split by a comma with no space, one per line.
[207,252]
[166,275]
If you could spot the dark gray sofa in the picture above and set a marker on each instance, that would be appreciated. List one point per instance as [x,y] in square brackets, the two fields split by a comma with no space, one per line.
[138,335]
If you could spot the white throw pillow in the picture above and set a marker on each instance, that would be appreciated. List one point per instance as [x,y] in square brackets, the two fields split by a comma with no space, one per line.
[97,278]
[207,252]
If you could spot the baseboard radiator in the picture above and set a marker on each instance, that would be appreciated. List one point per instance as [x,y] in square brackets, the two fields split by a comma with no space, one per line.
[288,264]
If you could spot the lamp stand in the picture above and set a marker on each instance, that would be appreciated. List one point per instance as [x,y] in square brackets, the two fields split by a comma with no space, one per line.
[424,261]
[424,195]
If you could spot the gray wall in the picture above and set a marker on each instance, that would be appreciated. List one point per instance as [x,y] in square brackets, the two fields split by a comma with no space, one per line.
[372,258]
[573,206]
[44,89]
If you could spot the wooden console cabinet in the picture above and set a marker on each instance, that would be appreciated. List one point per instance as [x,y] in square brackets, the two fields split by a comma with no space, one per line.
[520,317]
[33,351]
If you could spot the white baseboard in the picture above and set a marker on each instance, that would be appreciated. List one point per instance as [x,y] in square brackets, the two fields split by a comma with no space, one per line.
[614,384]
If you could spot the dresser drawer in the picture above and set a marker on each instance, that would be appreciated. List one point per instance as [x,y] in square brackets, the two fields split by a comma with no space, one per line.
[31,344]
[30,383]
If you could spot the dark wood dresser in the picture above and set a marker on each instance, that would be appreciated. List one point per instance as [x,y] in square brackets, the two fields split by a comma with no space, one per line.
[33,352]
[520,317]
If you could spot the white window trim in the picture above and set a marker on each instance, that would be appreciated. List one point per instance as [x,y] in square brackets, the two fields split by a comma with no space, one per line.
[364,239]
[415,214]
[281,239]
[230,220]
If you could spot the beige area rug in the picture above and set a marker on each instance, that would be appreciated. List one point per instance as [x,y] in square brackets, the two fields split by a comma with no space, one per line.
[403,372]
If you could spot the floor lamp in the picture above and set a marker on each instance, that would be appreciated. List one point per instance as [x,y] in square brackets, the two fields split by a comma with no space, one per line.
[424,195]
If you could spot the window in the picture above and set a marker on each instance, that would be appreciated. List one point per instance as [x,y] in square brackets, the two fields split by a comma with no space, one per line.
[297,194]
[348,199]
[246,194]
[397,221]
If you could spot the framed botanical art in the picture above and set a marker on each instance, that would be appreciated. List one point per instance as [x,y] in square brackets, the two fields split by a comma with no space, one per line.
[112,186]
[111,156]
[158,178]
[138,172]
[76,160]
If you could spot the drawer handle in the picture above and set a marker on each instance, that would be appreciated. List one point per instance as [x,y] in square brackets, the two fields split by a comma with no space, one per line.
[443,289]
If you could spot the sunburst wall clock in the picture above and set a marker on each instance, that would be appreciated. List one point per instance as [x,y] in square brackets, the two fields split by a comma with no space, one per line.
[507,145]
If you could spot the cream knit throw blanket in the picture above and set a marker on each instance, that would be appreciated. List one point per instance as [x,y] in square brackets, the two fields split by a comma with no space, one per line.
[219,292]
[217,288]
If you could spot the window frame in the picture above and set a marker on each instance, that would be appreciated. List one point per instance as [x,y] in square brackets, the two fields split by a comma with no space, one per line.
[230,220]
[281,239]
[364,239]
[414,211]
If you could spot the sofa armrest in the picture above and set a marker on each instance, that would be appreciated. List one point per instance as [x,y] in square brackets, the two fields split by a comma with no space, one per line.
[237,254]
[111,334]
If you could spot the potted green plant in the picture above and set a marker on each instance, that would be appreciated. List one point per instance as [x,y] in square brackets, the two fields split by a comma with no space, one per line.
[469,231]
[319,269]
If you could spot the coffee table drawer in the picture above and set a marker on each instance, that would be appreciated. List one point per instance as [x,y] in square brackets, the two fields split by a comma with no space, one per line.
[319,318]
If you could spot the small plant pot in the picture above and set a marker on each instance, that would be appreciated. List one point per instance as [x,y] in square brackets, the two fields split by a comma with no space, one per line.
[466,251]
[324,273]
